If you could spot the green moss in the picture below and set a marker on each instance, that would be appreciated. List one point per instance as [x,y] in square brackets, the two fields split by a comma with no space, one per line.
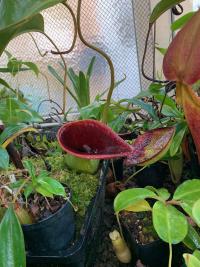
[83,185]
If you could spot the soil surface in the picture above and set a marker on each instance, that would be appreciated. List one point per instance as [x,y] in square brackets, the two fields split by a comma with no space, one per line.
[105,254]
[42,207]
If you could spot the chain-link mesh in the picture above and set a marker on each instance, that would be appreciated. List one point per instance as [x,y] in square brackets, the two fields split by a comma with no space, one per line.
[111,25]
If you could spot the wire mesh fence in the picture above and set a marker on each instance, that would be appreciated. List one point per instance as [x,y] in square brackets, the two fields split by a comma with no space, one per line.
[118,27]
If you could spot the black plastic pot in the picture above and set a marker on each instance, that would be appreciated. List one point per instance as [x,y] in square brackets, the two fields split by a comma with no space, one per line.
[154,254]
[82,252]
[153,175]
[118,167]
[51,234]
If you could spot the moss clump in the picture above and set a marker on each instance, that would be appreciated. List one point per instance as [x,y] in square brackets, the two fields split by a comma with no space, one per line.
[83,185]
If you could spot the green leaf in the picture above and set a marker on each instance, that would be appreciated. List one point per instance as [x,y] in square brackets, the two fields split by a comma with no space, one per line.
[171,111]
[32,66]
[161,8]
[4,83]
[13,111]
[92,111]
[169,223]
[11,131]
[181,130]
[14,65]
[90,67]
[83,92]
[28,190]
[51,185]
[188,193]
[141,205]
[196,212]
[192,239]
[179,23]
[130,197]
[144,106]
[191,260]
[161,50]
[35,24]
[55,74]
[197,254]
[30,168]
[12,249]
[4,159]
[117,124]
[162,192]
[14,11]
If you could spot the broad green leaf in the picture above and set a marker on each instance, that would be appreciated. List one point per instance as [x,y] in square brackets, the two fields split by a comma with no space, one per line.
[41,189]
[192,239]
[130,197]
[141,205]
[14,111]
[188,193]
[14,11]
[191,260]
[197,254]
[32,66]
[161,8]
[35,24]
[12,249]
[162,192]
[179,23]
[181,130]
[196,212]
[169,223]
[4,159]
[50,184]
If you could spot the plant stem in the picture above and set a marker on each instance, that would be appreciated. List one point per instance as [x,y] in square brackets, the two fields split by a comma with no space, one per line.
[170,255]
[173,202]
[75,32]
[134,174]
[144,56]
[113,169]
[65,71]
[120,227]
[20,188]
[104,55]
[38,49]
